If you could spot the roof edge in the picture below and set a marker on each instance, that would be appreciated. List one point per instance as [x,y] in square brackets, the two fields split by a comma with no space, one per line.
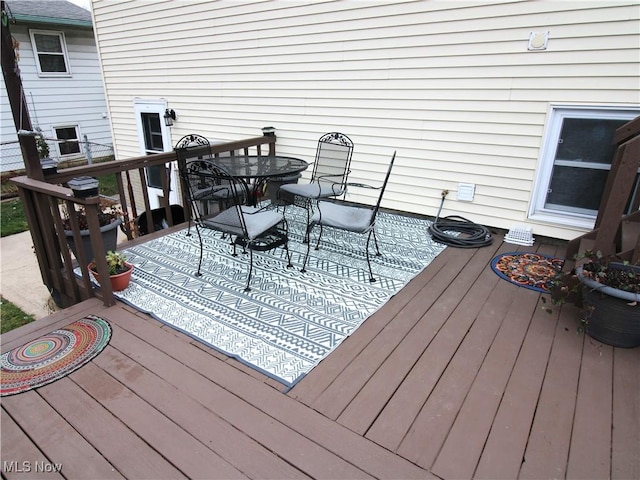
[53,21]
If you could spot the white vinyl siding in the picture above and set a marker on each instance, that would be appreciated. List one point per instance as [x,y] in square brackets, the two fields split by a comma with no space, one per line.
[450,84]
[60,100]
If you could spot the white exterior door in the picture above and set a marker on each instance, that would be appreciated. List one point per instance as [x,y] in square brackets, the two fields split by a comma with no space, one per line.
[155,137]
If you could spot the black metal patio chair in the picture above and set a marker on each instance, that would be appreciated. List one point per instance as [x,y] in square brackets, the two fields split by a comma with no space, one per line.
[252,228]
[361,220]
[195,148]
[329,176]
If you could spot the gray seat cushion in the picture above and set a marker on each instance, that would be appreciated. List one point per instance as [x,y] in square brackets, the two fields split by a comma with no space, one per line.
[256,221]
[314,190]
[353,219]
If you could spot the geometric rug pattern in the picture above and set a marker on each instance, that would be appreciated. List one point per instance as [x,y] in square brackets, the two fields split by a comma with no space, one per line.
[290,320]
[53,356]
[534,271]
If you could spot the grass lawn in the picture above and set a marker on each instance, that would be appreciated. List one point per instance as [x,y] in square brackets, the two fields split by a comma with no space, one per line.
[12,317]
[12,218]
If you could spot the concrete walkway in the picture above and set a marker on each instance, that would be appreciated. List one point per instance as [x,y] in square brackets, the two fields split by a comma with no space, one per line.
[20,279]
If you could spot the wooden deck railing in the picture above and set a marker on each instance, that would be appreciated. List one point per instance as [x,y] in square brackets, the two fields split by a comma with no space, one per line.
[45,204]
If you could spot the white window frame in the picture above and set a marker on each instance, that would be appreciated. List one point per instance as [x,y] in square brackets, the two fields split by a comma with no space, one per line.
[555,116]
[64,53]
[78,137]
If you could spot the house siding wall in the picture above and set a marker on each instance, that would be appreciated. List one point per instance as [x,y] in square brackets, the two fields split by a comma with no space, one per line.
[57,101]
[450,85]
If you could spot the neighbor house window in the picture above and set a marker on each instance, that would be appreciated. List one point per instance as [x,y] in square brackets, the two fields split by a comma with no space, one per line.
[575,162]
[69,143]
[51,53]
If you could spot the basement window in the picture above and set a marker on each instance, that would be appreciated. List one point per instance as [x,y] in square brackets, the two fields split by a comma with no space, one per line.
[575,160]
[69,143]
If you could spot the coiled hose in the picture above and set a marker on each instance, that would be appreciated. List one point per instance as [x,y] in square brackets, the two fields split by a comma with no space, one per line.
[473,235]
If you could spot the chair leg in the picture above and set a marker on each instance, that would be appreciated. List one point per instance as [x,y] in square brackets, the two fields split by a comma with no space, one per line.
[371,277]
[198,273]
[375,240]
[319,237]
[306,257]
[247,288]
[286,244]
[307,207]
[192,215]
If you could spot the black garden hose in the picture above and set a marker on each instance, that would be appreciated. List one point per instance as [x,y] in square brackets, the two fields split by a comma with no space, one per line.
[473,235]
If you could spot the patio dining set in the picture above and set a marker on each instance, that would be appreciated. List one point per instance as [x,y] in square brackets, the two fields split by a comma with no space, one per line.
[224,193]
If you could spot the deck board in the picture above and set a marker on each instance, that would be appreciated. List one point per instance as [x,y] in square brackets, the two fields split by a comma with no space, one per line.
[626,415]
[127,452]
[460,375]
[464,443]
[471,335]
[443,326]
[56,438]
[548,447]
[20,455]
[190,456]
[590,448]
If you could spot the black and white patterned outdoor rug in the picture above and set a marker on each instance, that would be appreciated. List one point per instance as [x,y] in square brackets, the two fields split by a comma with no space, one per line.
[289,321]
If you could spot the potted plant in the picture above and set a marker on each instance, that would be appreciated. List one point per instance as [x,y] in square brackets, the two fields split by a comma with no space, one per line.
[109,218]
[119,270]
[608,291]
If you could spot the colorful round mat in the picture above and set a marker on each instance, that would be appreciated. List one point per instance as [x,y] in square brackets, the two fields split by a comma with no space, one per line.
[530,270]
[53,356]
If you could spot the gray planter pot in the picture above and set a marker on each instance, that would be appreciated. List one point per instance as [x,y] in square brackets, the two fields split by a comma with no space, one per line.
[109,237]
[611,318]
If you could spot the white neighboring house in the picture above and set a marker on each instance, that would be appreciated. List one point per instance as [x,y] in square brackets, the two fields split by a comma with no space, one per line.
[61,78]
[509,105]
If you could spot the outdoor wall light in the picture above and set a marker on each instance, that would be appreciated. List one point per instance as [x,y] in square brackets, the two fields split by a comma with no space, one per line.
[169,117]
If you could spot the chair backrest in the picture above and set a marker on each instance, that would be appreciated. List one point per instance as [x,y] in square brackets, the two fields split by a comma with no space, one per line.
[384,187]
[333,158]
[192,146]
[191,140]
[204,175]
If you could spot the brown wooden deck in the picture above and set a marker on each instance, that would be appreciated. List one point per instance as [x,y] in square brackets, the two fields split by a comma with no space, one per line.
[460,375]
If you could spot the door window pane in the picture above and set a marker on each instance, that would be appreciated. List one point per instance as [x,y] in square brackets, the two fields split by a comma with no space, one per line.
[153,143]
[152,132]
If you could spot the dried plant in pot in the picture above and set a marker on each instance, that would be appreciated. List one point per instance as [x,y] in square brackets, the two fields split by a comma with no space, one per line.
[608,290]
[119,270]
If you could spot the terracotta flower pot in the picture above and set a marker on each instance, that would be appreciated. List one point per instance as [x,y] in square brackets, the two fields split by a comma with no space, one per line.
[119,281]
